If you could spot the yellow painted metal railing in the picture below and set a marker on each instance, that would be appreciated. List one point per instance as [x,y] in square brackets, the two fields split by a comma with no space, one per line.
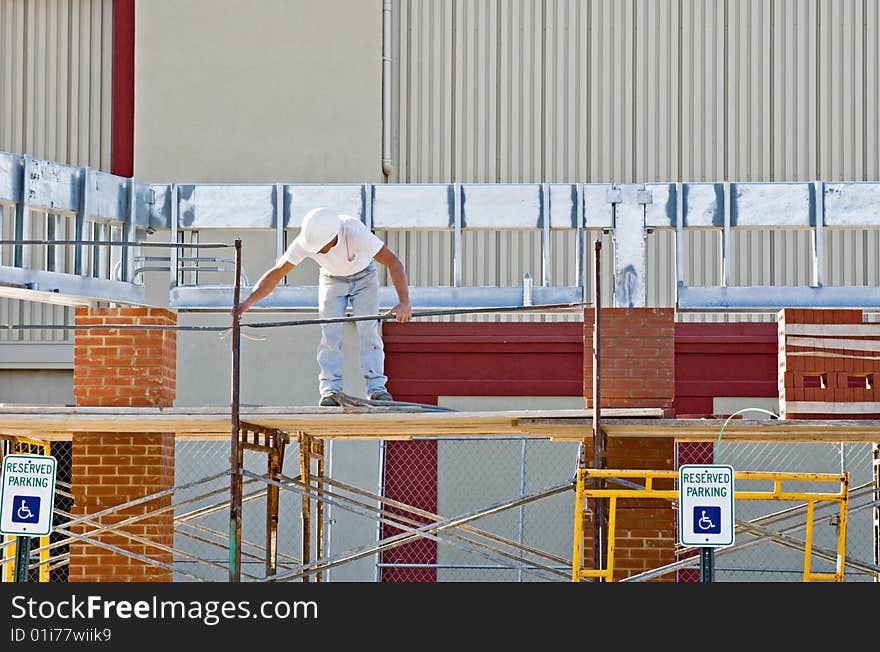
[25,446]
[647,490]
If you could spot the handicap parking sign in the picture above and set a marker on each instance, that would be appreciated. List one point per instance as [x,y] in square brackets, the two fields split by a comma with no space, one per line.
[707,519]
[705,505]
[26,509]
[27,495]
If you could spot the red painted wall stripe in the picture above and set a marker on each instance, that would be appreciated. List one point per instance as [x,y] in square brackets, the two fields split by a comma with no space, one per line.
[122,129]
[448,359]
[723,360]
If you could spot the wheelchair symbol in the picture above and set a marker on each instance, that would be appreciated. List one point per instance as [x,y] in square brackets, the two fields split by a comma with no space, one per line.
[24,512]
[26,509]
[705,523]
[707,519]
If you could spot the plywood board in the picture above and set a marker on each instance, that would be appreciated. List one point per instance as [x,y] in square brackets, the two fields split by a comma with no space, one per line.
[48,423]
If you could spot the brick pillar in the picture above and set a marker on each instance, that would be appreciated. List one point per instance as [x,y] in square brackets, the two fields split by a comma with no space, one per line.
[638,371]
[123,368]
[828,365]
[829,369]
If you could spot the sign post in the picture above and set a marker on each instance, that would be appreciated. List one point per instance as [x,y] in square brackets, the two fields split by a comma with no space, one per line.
[705,511]
[27,500]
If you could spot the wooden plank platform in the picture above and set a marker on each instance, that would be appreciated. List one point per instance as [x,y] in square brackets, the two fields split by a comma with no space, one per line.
[337,422]
[59,423]
[765,430]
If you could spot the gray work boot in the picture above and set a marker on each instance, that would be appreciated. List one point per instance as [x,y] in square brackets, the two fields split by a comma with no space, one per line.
[380,395]
[328,401]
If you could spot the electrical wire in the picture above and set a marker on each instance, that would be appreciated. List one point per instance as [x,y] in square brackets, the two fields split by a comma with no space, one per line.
[297,322]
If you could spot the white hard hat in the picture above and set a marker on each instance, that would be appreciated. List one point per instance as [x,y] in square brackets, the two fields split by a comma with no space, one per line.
[320,226]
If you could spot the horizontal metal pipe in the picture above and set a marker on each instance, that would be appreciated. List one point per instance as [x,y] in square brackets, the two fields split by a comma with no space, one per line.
[121,243]
[425,313]
[299,322]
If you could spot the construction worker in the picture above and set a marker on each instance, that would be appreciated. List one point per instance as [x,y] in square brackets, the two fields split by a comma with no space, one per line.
[347,253]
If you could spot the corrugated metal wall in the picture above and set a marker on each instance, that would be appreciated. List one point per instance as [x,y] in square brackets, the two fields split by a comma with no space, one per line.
[638,91]
[547,90]
[55,103]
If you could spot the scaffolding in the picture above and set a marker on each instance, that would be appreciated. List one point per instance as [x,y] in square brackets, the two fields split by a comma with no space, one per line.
[317,490]
[270,436]
[638,484]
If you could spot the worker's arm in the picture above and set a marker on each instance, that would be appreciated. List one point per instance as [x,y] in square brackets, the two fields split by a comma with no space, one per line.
[403,310]
[265,285]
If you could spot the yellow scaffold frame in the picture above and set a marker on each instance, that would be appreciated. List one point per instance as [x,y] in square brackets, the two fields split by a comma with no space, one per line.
[582,492]
[25,446]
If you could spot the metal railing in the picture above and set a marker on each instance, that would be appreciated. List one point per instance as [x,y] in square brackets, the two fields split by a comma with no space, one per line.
[81,204]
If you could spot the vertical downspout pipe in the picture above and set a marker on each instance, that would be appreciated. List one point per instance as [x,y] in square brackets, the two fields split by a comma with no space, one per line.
[387,168]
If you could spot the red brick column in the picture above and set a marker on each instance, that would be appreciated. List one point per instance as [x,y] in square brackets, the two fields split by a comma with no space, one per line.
[638,357]
[829,365]
[123,368]
[637,371]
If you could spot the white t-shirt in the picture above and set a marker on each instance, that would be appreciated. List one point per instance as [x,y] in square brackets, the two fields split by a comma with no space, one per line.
[352,253]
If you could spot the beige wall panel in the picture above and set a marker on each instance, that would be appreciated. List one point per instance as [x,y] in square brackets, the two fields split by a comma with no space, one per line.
[422,91]
[852,258]
[657,84]
[735,97]
[748,90]
[285,91]
[611,114]
[702,90]
[566,92]
[660,268]
[522,93]
[55,104]
[14,33]
[872,244]
[872,91]
[55,74]
[842,75]
[792,260]
[475,60]
[795,100]
[36,387]
[427,256]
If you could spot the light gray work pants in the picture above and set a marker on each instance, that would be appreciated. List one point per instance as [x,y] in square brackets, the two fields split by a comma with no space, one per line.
[334,294]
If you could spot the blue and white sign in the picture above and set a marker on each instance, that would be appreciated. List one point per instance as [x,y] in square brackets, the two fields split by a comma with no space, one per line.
[705,505]
[27,495]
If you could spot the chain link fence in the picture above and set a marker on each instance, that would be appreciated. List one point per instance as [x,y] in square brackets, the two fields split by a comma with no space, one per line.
[477,482]
[202,518]
[49,555]
[752,559]
[476,474]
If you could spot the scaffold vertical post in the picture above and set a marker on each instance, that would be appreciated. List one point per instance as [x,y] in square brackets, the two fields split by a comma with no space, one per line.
[839,567]
[272,498]
[876,461]
[599,444]
[577,558]
[235,457]
[319,506]
[305,460]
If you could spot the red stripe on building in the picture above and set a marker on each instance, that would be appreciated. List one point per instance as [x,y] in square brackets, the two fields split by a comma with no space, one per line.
[723,360]
[427,360]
